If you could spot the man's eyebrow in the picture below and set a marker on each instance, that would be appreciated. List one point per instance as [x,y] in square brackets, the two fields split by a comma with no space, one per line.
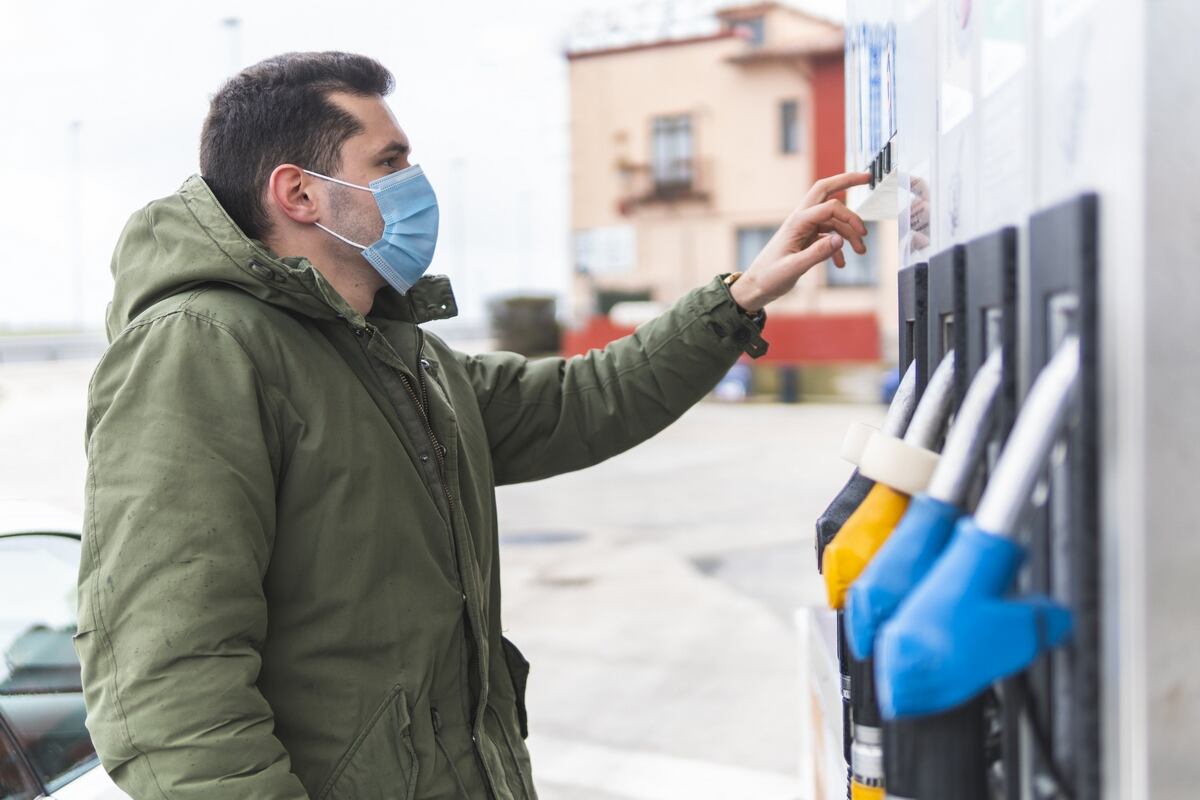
[395,147]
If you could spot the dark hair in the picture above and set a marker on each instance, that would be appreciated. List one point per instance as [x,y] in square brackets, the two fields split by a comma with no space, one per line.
[278,112]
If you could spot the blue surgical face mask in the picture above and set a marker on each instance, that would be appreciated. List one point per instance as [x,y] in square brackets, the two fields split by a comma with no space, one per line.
[410,226]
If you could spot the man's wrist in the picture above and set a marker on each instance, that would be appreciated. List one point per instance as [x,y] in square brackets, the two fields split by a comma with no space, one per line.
[746,294]
[730,321]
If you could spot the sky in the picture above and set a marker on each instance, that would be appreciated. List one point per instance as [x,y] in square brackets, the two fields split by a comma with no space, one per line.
[103,103]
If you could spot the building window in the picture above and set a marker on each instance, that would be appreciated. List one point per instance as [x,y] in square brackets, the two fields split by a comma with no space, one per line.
[859,270]
[750,242]
[753,30]
[671,154]
[790,129]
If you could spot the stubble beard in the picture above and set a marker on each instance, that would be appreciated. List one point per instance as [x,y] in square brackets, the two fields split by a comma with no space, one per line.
[357,221]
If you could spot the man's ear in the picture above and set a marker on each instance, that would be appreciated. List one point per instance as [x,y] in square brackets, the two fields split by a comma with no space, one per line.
[289,192]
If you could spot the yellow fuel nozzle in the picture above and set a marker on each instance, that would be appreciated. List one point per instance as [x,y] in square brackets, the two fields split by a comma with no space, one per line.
[860,792]
[857,542]
[900,468]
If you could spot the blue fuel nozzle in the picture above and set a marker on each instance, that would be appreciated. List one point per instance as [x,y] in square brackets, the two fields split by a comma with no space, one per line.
[904,559]
[959,631]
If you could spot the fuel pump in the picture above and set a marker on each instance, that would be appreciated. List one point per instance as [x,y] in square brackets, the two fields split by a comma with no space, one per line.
[958,631]
[1009,147]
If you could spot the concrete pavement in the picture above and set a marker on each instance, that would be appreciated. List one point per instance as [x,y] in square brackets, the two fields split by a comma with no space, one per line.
[656,609]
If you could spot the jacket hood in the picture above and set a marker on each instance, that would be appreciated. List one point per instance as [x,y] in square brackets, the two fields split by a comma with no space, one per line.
[186,239]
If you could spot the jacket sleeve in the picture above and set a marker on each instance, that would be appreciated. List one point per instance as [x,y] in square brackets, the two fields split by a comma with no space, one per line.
[179,521]
[554,415]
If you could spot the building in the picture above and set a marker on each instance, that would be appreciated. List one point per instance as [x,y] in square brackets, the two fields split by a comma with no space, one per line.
[688,153]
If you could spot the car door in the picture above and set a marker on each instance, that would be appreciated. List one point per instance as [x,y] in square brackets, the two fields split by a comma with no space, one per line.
[17,781]
[47,751]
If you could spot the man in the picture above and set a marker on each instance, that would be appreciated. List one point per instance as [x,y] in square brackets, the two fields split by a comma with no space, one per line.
[290,585]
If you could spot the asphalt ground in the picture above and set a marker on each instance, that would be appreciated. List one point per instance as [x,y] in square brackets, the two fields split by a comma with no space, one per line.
[653,594]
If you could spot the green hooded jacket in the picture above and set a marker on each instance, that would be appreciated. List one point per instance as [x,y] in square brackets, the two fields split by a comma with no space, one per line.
[290,583]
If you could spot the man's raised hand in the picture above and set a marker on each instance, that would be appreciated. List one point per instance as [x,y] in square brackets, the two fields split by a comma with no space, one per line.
[815,231]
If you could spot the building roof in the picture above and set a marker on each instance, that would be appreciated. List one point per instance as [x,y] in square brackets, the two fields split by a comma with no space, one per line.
[748,10]
[744,10]
[825,39]
[575,55]
[831,43]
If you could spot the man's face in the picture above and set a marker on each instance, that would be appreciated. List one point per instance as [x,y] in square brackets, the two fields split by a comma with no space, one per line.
[380,149]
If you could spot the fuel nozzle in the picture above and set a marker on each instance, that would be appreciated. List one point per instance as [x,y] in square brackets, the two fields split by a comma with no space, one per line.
[922,534]
[899,467]
[959,630]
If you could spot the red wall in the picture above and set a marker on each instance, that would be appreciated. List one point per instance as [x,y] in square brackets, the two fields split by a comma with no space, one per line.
[804,339]
[829,116]
[822,338]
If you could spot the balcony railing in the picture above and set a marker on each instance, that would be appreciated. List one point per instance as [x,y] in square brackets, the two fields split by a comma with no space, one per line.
[686,180]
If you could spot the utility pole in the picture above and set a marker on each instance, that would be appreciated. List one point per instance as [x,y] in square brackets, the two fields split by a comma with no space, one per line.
[459,217]
[75,217]
[233,30]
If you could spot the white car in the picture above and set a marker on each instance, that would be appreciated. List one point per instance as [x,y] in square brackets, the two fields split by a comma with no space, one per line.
[45,750]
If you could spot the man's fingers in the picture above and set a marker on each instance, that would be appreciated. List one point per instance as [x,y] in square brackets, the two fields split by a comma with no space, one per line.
[830,210]
[834,184]
[839,259]
[848,233]
[823,248]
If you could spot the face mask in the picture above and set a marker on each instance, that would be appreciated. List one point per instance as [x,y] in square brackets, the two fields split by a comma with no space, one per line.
[410,226]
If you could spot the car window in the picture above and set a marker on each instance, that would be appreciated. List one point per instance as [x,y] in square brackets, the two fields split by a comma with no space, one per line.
[15,781]
[41,698]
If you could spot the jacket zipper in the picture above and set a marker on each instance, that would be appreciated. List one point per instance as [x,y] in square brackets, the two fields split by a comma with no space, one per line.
[440,452]
[421,401]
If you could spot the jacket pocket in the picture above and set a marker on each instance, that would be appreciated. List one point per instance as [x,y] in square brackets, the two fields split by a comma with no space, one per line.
[85,642]
[381,763]
[518,668]
[513,754]
[80,635]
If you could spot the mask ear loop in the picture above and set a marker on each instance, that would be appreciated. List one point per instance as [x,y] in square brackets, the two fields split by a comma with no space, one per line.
[339,180]
[339,236]
[343,183]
